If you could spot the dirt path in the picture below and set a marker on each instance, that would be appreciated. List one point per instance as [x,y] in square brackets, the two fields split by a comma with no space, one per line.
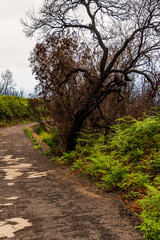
[37,201]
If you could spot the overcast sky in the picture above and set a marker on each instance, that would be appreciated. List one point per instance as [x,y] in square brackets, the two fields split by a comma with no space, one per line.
[15,47]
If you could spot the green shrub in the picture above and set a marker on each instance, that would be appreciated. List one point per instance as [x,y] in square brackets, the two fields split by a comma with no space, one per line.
[38,129]
[51,137]
[134,180]
[154,165]
[16,109]
[77,164]
[36,146]
[151,214]
[129,160]
[12,108]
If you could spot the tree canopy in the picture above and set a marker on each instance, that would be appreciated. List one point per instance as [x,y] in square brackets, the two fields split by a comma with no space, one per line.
[112,44]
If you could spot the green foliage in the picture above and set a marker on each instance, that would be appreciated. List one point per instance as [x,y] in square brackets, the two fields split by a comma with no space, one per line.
[69,157]
[151,214]
[129,160]
[115,175]
[13,107]
[132,195]
[29,133]
[132,138]
[157,181]
[134,180]
[51,137]
[77,165]
[39,108]
[38,129]
[154,165]
[16,110]
[37,146]
[49,152]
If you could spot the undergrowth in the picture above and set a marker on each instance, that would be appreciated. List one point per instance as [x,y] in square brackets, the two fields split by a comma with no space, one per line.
[127,161]
[50,136]
[15,110]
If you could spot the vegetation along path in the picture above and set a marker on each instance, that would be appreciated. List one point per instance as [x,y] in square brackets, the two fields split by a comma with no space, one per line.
[38,201]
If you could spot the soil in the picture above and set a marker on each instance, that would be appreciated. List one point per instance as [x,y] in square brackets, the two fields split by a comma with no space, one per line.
[39,201]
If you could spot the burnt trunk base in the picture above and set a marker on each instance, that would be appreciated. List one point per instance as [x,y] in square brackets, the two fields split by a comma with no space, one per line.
[71,141]
[75,129]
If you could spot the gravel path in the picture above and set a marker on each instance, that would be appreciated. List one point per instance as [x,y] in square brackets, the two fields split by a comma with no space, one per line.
[38,201]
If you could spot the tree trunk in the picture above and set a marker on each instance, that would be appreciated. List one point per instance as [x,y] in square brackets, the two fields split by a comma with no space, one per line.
[75,129]
[81,116]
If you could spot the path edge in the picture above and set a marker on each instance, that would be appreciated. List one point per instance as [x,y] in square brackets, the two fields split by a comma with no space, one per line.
[44,147]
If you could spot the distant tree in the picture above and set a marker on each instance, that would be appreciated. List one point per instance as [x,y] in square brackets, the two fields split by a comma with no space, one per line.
[21,93]
[124,34]
[8,86]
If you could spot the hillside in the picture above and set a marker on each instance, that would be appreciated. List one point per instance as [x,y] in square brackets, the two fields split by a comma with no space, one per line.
[15,110]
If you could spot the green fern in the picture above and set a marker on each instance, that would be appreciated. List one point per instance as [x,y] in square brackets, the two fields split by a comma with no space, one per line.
[151,214]
[128,160]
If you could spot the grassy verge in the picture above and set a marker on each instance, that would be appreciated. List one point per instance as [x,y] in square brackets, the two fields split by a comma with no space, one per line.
[50,137]
[127,161]
[29,133]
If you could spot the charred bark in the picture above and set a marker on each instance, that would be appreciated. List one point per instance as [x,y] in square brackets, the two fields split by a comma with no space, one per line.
[75,129]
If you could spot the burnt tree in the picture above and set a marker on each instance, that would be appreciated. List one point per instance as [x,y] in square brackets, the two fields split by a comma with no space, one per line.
[125,34]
